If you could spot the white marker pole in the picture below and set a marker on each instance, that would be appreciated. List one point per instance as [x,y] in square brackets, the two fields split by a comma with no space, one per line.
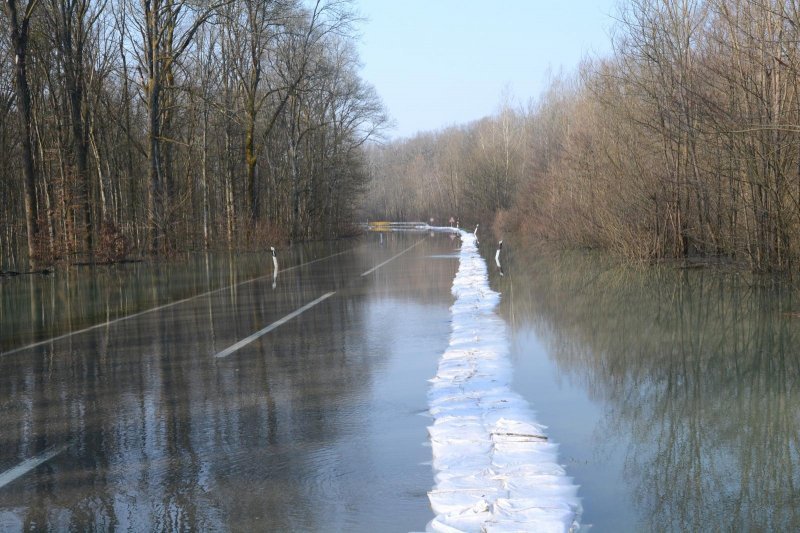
[274,267]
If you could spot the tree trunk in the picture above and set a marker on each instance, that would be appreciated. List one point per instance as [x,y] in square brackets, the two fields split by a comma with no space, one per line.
[19,40]
[154,196]
[71,43]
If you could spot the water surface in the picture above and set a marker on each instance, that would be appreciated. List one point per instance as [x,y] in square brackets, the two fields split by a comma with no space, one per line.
[316,426]
[673,393]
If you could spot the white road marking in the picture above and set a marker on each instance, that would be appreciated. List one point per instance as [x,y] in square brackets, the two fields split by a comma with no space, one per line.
[29,464]
[153,309]
[373,269]
[244,342]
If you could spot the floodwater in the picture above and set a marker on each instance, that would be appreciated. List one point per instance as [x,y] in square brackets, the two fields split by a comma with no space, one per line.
[154,422]
[674,394]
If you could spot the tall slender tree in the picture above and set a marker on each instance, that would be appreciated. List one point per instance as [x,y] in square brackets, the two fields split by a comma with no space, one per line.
[19,17]
[164,36]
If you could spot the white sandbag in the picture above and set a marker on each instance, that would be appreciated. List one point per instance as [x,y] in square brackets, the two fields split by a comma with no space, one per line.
[495,468]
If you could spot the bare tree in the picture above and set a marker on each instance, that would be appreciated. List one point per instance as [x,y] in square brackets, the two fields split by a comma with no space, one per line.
[72,21]
[117,115]
[166,30]
[19,18]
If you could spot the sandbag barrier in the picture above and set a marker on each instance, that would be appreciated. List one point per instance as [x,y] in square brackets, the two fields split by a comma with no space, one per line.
[495,469]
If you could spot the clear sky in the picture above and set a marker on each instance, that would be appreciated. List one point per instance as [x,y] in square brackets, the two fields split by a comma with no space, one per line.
[437,63]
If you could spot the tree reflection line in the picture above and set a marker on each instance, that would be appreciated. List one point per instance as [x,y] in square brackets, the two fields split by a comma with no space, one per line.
[695,367]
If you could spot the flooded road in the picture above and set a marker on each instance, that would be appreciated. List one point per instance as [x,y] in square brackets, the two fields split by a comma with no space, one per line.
[204,394]
[167,421]
[674,394]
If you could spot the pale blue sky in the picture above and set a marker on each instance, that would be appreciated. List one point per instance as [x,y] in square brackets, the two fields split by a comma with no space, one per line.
[441,62]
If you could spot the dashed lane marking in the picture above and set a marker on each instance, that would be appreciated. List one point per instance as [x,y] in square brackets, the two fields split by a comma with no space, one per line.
[244,342]
[29,464]
[160,307]
[373,269]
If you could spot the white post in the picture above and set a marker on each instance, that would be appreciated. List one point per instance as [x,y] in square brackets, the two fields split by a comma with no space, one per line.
[274,267]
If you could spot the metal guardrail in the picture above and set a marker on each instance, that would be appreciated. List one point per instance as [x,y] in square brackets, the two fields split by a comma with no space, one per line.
[384,225]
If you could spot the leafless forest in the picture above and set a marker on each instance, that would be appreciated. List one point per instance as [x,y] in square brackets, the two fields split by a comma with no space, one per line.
[685,142]
[134,127]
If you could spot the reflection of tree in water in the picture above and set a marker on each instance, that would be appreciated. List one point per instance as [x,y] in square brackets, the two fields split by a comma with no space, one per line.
[165,437]
[700,368]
